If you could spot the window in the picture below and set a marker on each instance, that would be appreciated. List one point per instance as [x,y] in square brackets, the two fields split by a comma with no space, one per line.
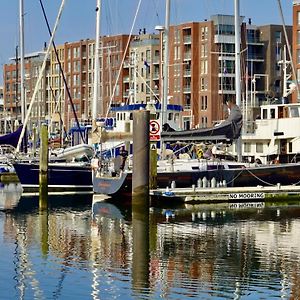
[203,122]
[204,50]
[272,113]
[247,147]
[298,56]
[259,147]
[204,33]
[204,67]
[278,36]
[265,114]
[203,102]
[203,84]
[298,17]
[294,112]
[176,36]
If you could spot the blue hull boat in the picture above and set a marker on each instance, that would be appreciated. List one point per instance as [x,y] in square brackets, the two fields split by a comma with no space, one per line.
[62,176]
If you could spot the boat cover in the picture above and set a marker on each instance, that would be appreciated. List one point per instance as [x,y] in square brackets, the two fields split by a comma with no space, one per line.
[11,138]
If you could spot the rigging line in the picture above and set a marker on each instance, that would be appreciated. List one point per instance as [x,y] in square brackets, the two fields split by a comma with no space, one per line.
[123,59]
[288,46]
[62,72]
[59,113]
[147,85]
[37,84]
[156,11]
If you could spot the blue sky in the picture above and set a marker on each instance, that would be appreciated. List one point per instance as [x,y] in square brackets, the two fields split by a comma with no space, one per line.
[78,19]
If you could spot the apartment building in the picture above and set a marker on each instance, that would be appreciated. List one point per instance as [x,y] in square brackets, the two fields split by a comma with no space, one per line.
[201,71]
[114,78]
[270,74]
[143,69]
[12,88]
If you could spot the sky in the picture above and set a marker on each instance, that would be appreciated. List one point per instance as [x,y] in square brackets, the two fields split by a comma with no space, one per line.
[117,16]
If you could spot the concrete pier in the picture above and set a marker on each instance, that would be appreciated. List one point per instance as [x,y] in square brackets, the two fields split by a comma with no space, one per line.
[224,194]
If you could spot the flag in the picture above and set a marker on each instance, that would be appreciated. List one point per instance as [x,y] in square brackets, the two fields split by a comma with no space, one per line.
[146,64]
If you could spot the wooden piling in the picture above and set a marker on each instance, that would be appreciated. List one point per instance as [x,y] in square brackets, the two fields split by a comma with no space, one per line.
[140,244]
[140,175]
[153,167]
[43,171]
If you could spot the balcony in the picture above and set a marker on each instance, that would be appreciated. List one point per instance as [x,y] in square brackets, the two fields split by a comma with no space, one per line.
[187,39]
[187,89]
[155,60]
[187,55]
[155,75]
[187,73]
[126,79]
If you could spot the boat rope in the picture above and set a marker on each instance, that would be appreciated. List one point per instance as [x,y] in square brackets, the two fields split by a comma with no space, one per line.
[123,59]
[41,74]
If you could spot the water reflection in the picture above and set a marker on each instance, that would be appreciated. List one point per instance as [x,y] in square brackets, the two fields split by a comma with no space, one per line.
[83,249]
[10,195]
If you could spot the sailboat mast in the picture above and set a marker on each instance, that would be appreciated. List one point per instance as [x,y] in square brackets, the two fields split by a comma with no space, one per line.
[96,65]
[166,65]
[22,65]
[237,25]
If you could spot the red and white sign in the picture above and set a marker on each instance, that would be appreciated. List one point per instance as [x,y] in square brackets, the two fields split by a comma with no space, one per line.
[154,130]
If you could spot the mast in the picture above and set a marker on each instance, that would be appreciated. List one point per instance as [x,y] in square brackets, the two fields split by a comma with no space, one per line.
[96,66]
[166,65]
[22,66]
[237,26]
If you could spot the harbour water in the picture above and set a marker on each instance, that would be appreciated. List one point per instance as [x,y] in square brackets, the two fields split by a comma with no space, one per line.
[84,250]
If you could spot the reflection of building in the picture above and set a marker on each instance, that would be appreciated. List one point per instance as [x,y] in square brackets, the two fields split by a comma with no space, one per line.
[2,116]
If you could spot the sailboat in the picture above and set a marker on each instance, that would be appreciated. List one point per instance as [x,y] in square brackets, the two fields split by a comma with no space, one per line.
[109,179]
[237,175]
[64,171]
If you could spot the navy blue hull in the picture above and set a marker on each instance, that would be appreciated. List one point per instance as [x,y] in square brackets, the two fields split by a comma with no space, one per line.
[283,174]
[62,175]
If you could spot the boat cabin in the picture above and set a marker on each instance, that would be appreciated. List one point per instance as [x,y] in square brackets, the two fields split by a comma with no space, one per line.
[124,115]
[278,111]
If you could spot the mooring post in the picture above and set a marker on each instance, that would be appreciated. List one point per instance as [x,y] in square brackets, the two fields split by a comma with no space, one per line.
[140,174]
[153,167]
[140,200]
[153,158]
[43,172]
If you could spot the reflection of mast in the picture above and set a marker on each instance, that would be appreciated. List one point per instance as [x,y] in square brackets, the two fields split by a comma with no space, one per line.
[26,273]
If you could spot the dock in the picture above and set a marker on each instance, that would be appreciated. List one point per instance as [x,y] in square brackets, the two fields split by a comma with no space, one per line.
[225,194]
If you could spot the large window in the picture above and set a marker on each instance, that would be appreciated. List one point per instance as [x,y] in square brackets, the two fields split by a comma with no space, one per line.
[278,36]
[298,56]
